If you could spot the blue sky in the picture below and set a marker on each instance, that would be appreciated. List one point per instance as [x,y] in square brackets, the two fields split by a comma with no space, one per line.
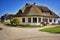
[12,6]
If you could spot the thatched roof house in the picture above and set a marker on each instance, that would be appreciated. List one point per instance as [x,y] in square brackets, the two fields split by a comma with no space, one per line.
[7,17]
[35,10]
[33,14]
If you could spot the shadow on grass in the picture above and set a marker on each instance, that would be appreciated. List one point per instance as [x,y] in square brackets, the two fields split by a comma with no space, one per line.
[22,26]
[9,25]
[1,28]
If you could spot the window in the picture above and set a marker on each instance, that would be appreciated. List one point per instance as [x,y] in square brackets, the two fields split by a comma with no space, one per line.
[50,20]
[29,20]
[45,12]
[45,19]
[23,20]
[39,19]
[54,20]
[34,20]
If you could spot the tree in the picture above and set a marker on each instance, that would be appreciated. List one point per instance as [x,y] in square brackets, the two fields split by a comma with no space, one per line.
[15,21]
[2,18]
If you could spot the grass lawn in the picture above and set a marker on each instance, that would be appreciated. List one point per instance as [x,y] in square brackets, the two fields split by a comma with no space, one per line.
[27,26]
[52,30]
[5,22]
[20,26]
[0,28]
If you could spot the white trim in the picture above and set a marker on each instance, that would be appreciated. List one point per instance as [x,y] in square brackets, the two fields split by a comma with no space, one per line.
[52,20]
[31,19]
[48,20]
[37,20]
[41,19]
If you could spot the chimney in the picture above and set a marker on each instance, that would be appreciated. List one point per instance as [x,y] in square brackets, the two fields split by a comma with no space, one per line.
[34,3]
[26,4]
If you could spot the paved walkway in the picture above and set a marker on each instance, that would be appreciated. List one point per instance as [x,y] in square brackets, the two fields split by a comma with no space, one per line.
[13,33]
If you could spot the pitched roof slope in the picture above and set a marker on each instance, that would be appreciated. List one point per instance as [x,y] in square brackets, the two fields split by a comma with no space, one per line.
[8,16]
[35,10]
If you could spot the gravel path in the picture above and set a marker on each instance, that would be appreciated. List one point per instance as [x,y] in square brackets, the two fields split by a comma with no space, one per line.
[13,33]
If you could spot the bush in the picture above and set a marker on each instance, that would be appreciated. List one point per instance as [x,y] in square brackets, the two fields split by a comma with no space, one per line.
[11,22]
[15,21]
[42,23]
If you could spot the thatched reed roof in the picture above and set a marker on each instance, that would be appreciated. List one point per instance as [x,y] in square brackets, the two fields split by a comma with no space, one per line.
[35,10]
[7,16]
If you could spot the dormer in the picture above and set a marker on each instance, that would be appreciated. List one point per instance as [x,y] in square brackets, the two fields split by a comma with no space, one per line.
[19,12]
[47,12]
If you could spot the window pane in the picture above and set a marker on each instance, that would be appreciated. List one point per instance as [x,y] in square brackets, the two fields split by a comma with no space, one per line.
[50,20]
[29,20]
[45,19]
[47,12]
[54,20]
[23,20]
[34,20]
[39,19]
